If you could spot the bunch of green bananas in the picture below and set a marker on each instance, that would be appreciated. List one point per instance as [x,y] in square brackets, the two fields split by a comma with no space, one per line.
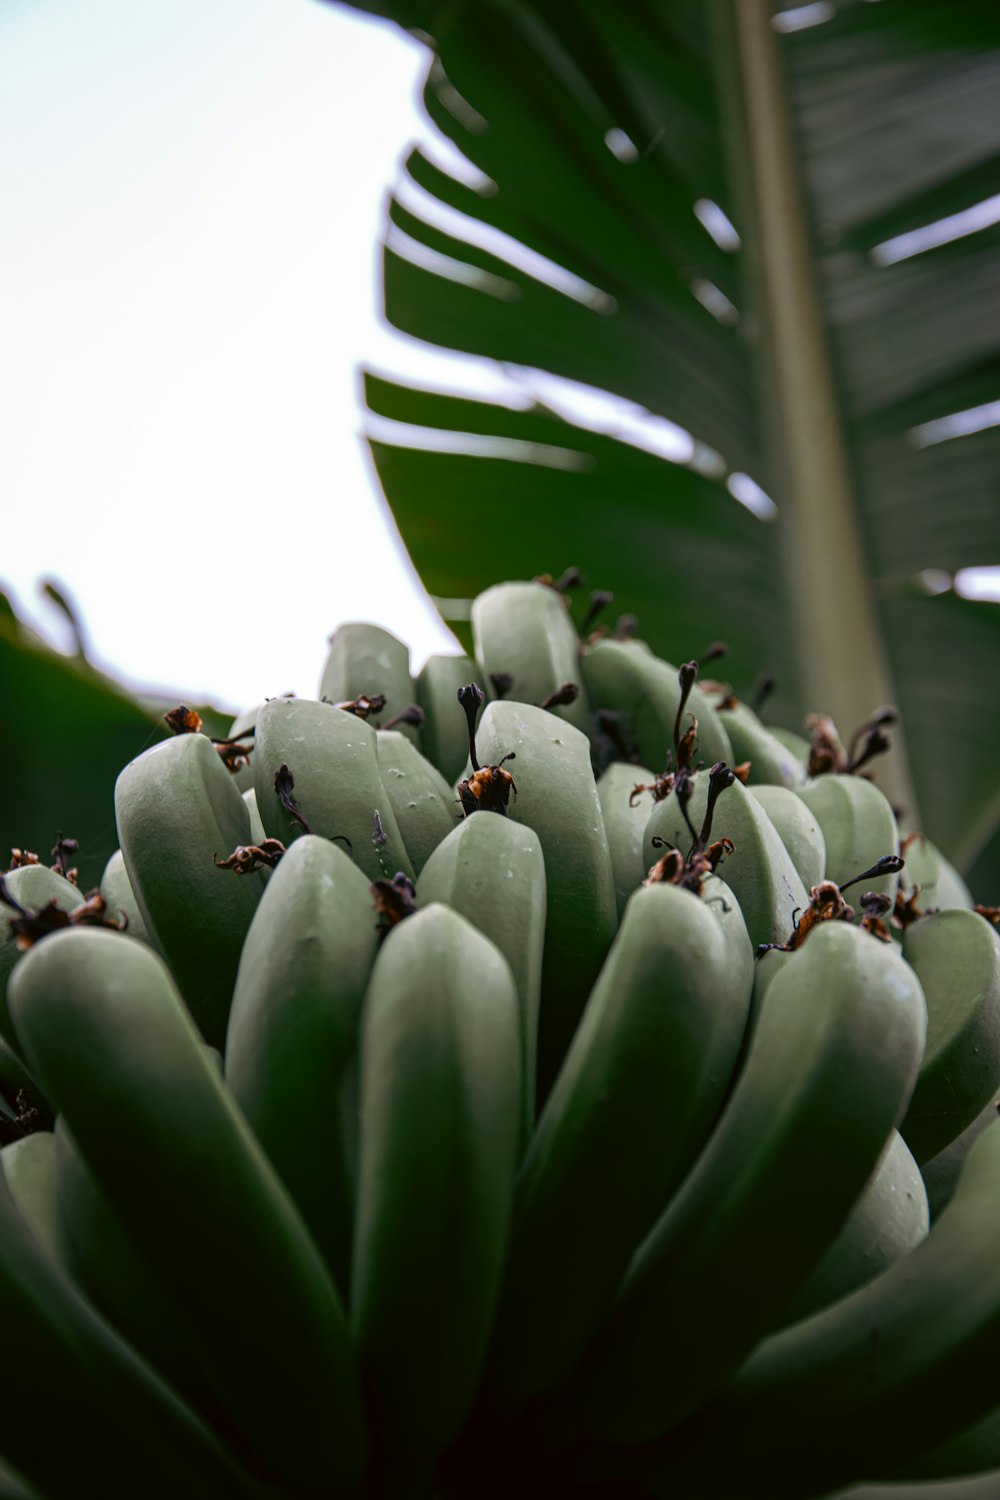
[445,1097]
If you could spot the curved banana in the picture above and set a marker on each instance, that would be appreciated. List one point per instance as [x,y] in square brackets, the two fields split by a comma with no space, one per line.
[759,870]
[33,887]
[116,888]
[525,630]
[941,1173]
[557,797]
[441,1105]
[627,679]
[797,829]
[888,1221]
[169,1148]
[796,744]
[443,736]
[425,806]
[941,886]
[29,1167]
[293,1030]
[956,957]
[624,823]
[177,808]
[771,761]
[643,1082]
[858,827]
[367,660]
[492,872]
[333,759]
[829,1069]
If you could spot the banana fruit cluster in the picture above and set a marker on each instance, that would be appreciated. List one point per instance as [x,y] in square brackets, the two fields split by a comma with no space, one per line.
[535,1076]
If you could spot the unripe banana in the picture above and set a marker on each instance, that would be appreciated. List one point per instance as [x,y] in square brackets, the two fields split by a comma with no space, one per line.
[796,744]
[557,797]
[112,1411]
[258,833]
[941,886]
[441,1105]
[30,1171]
[941,1173]
[797,829]
[366,660]
[858,827]
[242,728]
[625,823]
[829,1069]
[425,806]
[643,1081]
[625,677]
[492,872]
[956,957]
[909,1355]
[333,758]
[888,1221]
[116,888]
[169,1148]
[293,1030]
[525,630]
[33,887]
[771,762]
[442,735]
[759,871]
[177,808]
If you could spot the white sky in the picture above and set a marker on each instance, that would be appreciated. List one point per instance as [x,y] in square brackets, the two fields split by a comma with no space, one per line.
[192,193]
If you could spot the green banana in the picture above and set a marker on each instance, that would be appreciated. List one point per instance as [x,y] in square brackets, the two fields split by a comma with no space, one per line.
[858,827]
[365,660]
[333,758]
[116,888]
[888,1221]
[492,872]
[177,808]
[441,1105]
[557,797]
[442,735]
[911,1353]
[759,870]
[956,956]
[425,806]
[643,1082]
[30,1171]
[624,823]
[242,728]
[941,1173]
[771,762]
[84,1410]
[828,1072]
[525,630]
[941,886]
[293,1030]
[169,1148]
[797,829]
[627,679]
[796,744]
[33,887]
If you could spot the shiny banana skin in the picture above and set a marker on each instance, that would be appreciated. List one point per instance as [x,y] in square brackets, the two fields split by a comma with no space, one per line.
[642,1085]
[625,824]
[858,827]
[912,1353]
[293,1030]
[365,659]
[33,886]
[443,736]
[797,829]
[118,893]
[492,872]
[176,808]
[425,806]
[771,761]
[956,956]
[625,677]
[557,797]
[828,1072]
[525,629]
[890,1219]
[333,757]
[759,871]
[441,1103]
[84,1407]
[195,1194]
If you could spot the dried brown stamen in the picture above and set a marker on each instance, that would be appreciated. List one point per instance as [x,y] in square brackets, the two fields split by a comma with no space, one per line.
[247,859]
[488,789]
[394,900]
[563,696]
[414,715]
[284,783]
[501,682]
[183,720]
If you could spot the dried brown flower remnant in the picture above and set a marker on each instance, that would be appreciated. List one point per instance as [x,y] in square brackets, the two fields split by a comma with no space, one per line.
[284,783]
[247,859]
[992,914]
[29,927]
[363,706]
[827,755]
[501,682]
[61,853]
[413,715]
[488,789]
[827,904]
[21,857]
[570,579]
[563,696]
[875,906]
[183,720]
[394,900]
